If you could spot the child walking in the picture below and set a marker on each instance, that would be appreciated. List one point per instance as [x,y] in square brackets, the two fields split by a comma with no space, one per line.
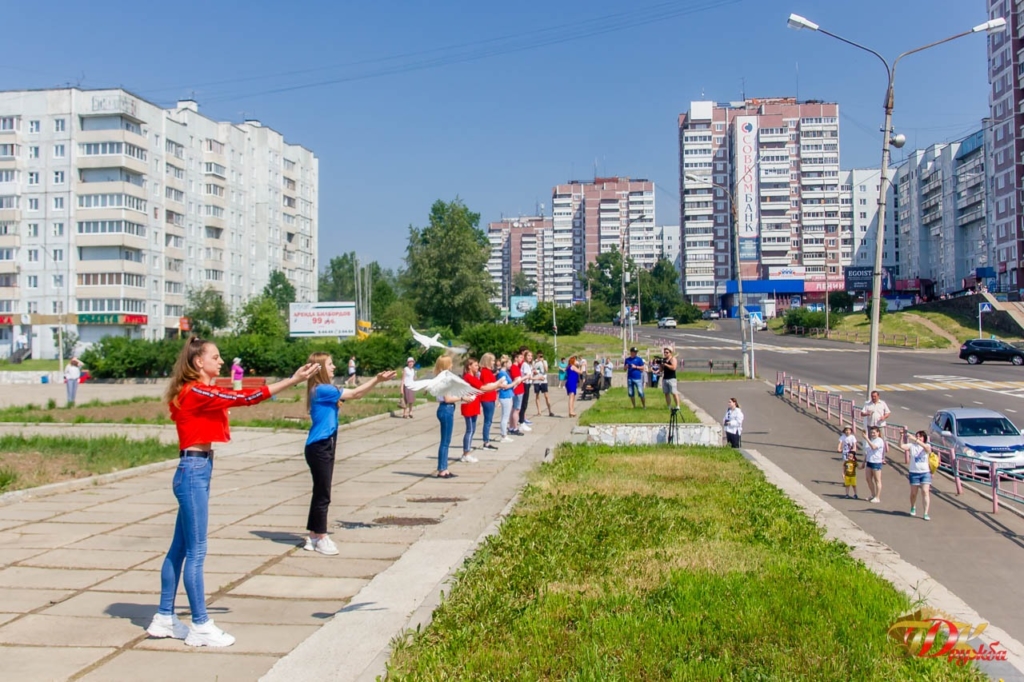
[848,447]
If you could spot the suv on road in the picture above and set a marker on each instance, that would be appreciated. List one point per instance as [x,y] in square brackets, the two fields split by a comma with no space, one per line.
[667,323]
[977,351]
[981,433]
[711,315]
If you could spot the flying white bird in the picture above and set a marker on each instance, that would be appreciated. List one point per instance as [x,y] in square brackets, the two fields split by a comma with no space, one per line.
[426,341]
[443,384]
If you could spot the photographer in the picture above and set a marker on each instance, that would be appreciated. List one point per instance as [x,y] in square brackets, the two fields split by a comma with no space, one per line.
[669,364]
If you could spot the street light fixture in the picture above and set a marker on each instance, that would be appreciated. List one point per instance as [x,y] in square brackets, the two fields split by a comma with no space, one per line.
[624,235]
[745,351]
[798,22]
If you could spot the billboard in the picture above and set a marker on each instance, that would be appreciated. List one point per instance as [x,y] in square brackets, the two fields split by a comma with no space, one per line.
[787,272]
[859,279]
[520,305]
[745,191]
[325,318]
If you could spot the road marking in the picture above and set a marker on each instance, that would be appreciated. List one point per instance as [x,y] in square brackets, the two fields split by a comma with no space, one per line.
[904,408]
[977,402]
[949,395]
[1009,410]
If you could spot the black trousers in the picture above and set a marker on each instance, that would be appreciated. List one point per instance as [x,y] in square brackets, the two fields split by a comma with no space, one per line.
[320,458]
[734,439]
[526,401]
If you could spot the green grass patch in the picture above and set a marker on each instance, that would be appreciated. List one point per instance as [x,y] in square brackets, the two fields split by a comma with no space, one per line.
[30,461]
[891,323]
[30,365]
[963,327]
[662,563]
[614,408]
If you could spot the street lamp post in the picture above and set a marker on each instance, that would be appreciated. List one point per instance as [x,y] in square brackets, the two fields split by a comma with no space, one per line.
[798,22]
[746,352]
[624,235]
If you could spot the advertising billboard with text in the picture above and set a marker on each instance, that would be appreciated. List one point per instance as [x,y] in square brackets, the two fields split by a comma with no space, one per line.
[745,189]
[326,318]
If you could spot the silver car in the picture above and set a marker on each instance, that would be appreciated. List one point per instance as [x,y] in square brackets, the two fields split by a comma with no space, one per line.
[983,434]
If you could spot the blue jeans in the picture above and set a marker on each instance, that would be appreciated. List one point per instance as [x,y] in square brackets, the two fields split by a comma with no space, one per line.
[445,415]
[467,440]
[192,489]
[488,409]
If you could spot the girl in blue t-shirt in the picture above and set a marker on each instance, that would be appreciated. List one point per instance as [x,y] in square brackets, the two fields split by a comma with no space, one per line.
[322,400]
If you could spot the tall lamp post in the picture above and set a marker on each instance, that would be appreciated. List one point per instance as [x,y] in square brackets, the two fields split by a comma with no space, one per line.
[624,235]
[748,366]
[798,22]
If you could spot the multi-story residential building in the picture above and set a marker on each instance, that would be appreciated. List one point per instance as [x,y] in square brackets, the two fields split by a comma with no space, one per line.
[113,208]
[778,161]
[1006,163]
[647,244]
[943,229]
[590,218]
[517,245]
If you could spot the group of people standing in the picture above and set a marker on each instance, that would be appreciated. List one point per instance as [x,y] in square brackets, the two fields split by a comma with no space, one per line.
[917,453]
[667,366]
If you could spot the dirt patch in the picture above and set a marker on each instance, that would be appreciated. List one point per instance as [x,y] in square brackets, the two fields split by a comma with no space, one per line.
[438,499]
[933,328]
[406,521]
[32,469]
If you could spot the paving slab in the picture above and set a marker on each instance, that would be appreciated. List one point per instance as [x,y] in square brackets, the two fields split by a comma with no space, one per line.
[175,666]
[22,600]
[51,578]
[73,632]
[89,558]
[35,664]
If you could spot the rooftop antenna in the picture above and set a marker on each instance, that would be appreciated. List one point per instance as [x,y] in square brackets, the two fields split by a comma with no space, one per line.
[743,89]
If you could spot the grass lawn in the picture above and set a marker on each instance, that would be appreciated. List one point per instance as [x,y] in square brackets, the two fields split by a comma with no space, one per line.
[27,462]
[30,365]
[963,327]
[892,323]
[662,563]
[585,344]
[614,408]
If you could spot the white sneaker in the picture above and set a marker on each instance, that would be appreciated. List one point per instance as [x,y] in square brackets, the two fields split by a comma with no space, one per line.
[310,544]
[167,626]
[208,634]
[470,458]
[506,439]
[874,500]
[524,427]
[326,546]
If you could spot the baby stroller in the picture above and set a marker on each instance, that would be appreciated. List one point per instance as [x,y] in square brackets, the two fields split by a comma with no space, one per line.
[592,387]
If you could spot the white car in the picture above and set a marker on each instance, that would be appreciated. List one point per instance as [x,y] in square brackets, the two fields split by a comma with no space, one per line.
[980,433]
[667,323]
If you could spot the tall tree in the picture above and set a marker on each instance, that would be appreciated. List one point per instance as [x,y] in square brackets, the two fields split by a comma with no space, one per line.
[446,273]
[261,316]
[604,279]
[522,284]
[659,290]
[338,279]
[279,290]
[207,311]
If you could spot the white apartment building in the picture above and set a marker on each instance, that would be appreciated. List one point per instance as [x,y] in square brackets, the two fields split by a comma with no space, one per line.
[113,208]
[647,244]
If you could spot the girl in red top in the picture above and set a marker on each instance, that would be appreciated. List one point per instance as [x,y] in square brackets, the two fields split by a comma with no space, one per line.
[515,371]
[200,412]
[471,410]
[488,401]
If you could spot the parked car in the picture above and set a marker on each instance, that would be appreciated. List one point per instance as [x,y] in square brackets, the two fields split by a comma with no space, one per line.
[977,351]
[617,321]
[981,433]
[667,323]
[711,315]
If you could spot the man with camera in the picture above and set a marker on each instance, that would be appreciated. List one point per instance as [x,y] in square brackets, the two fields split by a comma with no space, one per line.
[669,365]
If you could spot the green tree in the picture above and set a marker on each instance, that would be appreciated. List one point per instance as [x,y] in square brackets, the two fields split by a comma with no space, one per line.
[840,302]
[660,290]
[338,279]
[523,284]
[446,275]
[604,279]
[280,291]
[570,319]
[70,341]
[206,309]
[881,311]
[397,317]
[685,313]
[261,316]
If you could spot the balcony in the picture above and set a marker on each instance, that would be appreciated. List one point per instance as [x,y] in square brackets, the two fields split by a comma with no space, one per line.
[10,241]
[111,239]
[9,267]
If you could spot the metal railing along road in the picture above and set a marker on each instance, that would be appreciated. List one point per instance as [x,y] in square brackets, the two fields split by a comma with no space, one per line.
[901,340]
[1002,480]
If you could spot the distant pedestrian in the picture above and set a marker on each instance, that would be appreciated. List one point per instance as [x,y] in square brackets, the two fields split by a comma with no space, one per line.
[875,448]
[609,370]
[917,454]
[572,380]
[408,395]
[72,377]
[350,380]
[200,412]
[634,365]
[561,372]
[540,383]
[655,371]
[733,423]
[21,342]
[237,374]
[323,399]
[669,387]
[875,412]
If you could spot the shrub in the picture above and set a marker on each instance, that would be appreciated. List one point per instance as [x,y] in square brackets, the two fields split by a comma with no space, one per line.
[686,313]
[571,320]
[802,317]
[881,311]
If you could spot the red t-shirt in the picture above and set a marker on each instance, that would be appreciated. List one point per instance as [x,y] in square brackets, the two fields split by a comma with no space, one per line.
[487,377]
[201,412]
[515,373]
[471,409]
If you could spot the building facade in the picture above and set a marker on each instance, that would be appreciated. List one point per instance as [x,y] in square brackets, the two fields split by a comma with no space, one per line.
[775,162]
[113,208]
[518,246]
[1006,163]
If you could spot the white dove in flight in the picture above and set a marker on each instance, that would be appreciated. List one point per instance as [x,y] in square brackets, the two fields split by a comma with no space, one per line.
[426,341]
[443,384]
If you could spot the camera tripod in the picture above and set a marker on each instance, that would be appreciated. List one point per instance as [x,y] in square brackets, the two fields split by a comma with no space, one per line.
[673,425]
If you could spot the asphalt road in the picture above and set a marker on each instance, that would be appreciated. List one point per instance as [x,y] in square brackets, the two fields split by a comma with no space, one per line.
[930,379]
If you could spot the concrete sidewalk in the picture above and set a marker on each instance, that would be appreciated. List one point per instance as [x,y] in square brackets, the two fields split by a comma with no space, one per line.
[79,571]
[966,548]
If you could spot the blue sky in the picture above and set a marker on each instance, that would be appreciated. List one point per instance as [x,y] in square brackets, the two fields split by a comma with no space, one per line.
[538,93]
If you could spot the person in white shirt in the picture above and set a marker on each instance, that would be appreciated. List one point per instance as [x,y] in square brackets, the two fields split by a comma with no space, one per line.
[526,372]
[916,454]
[540,383]
[72,375]
[874,458]
[875,412]
[408,395]
[733,423]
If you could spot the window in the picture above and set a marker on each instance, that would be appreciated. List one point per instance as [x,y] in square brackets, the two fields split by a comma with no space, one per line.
[33,204]
[33,229]
[863,215]
[33,282]
[33,178]
[33,152]
[57,307]
[58,151]
[33,255]
[8,150]
[6,254]
[8,123]
[58,203]
[33,126]
[111,201]
[58,125]
[58,281]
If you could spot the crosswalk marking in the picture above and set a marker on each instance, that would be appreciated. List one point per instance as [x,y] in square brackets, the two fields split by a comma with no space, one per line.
[997,386]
